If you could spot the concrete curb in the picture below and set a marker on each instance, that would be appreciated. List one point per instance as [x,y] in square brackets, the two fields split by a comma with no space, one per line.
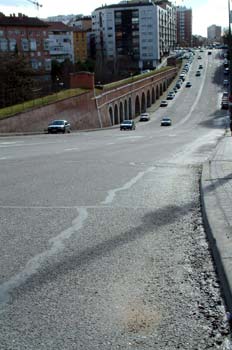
[218,232]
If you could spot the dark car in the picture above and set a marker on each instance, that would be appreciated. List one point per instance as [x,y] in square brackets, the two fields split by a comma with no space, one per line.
[59,126]
[188,84]
[166,121]
[127,125]
[170,95]
[225,103]
[198,73]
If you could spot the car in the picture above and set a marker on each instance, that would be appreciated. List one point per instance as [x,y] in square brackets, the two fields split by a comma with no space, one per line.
[198,73]
[225,94]
[127,124]
[166,121]
[225,104]
[182,77]
[225,82]
[199,57]
[144,117]
[59,125]
[163,103]
[226,71]
[175,89]
[209,53]
[178,85]
[171,95]
[200,66]
[188,84]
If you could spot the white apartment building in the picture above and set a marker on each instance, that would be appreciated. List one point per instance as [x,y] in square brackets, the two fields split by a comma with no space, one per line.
[214,33]
[139,32]
[60,41]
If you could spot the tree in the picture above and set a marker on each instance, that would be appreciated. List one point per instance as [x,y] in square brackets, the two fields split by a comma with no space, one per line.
[16,82]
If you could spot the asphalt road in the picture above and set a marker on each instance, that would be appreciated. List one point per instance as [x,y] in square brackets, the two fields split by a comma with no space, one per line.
[101,238]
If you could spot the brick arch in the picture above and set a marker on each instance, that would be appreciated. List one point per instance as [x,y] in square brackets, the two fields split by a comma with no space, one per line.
[153,95]
[143,103]
[111,115]
[121,115]
[130,108]
[157,92]
[148,98]
[137,106]
[125,109]
[165,85]
[161,89]
[116,116]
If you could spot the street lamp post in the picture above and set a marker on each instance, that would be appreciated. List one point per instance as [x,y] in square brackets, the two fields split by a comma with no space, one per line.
[230,64]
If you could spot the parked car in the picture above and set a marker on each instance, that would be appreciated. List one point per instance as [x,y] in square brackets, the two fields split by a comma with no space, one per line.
[188,84]
[127,124]
[198,73]
[163,103]
[225,82]
[59,126]
[166,121]
[178,85]
[200,66]
[225,104]
[144,117]
[171,95]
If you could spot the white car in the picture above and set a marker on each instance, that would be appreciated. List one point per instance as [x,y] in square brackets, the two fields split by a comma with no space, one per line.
[144,117]
[166,121]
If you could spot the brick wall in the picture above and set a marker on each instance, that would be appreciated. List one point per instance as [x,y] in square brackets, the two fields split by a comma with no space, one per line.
[84,80]
[80,111]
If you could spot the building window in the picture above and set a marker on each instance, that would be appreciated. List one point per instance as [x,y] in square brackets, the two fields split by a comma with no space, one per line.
[25,45]
[3,45]
[12,44]
[1,32]
[33,45]
[34,63]
[46,44]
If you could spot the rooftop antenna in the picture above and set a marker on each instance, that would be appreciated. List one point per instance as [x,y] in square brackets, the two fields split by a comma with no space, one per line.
[36,4]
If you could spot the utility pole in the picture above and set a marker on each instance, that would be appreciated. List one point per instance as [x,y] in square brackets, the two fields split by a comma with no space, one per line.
[230,63]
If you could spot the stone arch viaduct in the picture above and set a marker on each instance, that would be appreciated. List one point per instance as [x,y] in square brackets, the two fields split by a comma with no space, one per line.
[129,100]
[126,100]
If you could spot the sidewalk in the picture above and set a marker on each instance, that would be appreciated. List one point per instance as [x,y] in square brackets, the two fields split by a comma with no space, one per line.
[216,195]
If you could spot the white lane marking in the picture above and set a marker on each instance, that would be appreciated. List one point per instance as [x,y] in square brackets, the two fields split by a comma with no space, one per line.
[34,264]
[4,158]
[71,149]
[197,99]
[112,193]
[22,144]
[9,143]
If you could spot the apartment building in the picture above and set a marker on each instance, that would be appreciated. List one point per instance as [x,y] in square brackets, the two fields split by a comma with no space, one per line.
[184,26]
[29,36]
[80,45]
[167,26]
[135,33]
[214,33]
[81,23]
[60,41]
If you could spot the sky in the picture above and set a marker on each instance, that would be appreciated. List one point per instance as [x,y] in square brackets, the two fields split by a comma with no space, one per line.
[205,12]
